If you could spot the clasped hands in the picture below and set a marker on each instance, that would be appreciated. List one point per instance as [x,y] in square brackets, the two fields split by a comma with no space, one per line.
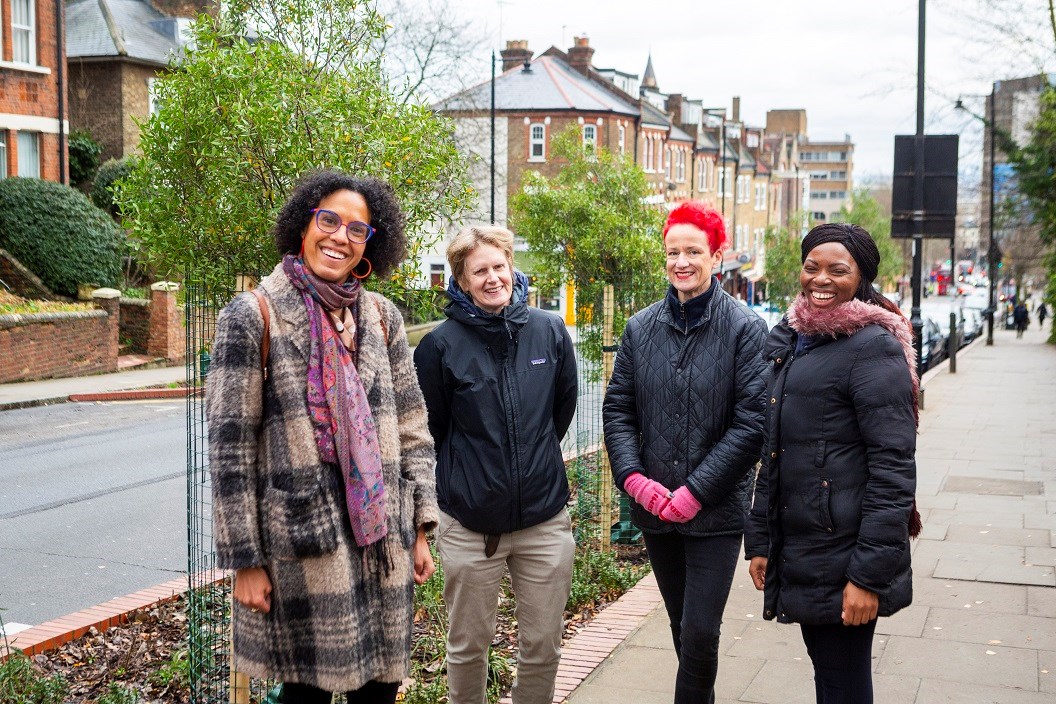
[678,506]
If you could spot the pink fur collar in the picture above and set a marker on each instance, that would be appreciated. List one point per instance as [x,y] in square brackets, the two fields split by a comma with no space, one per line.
[850,317]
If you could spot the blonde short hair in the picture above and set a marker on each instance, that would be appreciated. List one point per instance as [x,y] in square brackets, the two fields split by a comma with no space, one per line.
[469,238]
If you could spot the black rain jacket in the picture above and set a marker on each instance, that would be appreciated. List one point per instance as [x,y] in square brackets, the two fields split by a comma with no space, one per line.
[501,393]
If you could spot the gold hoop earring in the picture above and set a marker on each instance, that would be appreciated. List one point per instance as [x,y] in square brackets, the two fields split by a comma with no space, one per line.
[370,268]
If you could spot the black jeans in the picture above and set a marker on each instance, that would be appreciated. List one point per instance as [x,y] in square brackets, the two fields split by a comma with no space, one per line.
[843,665]
[694,576]
[370,693]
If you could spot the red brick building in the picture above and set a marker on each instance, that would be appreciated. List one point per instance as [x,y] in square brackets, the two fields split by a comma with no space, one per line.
[33,109]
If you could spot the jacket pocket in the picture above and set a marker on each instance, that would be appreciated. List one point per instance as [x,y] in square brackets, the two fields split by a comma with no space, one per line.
[825,507]
[298,524]
[408,531]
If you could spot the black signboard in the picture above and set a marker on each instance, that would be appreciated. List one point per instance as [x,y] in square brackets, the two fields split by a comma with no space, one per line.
[940,187]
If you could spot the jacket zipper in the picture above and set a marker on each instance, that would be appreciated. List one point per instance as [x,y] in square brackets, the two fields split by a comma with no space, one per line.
[511,425]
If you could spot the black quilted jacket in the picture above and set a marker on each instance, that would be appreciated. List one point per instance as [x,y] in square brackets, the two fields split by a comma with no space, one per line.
[686,408]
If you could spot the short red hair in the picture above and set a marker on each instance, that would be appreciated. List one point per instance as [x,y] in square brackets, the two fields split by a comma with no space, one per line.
[700,216]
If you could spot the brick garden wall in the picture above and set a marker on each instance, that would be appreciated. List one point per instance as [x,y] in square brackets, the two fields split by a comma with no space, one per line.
[135,324]
[53,345]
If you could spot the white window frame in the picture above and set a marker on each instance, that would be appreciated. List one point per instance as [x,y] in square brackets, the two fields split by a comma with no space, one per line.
[622,139]
[29,158]
[3,153]
[681,165]
[153,104]
[667,163]
[590,139]
[534,141]
[24,52]
[647,157]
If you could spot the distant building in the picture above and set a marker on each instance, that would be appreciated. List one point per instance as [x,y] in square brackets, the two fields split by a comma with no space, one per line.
[116,49]
[34,121]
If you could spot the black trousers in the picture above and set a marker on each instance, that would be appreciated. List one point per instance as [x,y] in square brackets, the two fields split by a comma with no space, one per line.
[843,665]
[370,693]
[694,576]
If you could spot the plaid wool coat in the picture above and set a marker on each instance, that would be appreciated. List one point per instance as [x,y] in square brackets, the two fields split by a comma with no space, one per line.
[333,624]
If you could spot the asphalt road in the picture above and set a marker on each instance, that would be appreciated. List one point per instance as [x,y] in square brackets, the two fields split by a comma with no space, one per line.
[93,504]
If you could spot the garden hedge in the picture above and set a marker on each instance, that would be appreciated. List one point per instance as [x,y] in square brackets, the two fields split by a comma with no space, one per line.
[109,173]
[57,233]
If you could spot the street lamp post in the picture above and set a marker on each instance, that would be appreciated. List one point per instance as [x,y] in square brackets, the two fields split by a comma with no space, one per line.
[992,256]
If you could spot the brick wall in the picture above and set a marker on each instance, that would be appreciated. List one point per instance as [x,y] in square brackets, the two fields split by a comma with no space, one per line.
[95,104]
[135,324]
[54,345]
[167,337]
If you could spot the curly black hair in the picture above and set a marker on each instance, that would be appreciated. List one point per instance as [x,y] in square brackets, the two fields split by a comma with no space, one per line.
[385,250]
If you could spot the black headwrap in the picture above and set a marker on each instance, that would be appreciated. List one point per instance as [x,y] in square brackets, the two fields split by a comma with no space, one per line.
[857,241]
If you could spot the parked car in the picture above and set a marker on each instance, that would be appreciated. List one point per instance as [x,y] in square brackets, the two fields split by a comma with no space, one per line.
[933,347]
[974,322]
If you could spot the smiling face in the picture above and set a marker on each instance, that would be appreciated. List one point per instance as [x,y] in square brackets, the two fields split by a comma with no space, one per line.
[488,278]
[690,260]
[331,256]
[829,276]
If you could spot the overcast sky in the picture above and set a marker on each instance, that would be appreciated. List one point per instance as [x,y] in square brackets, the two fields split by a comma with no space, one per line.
[850,63]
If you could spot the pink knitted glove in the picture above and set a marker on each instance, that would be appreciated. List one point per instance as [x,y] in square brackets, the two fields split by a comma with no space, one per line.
[682,507]
[652,495]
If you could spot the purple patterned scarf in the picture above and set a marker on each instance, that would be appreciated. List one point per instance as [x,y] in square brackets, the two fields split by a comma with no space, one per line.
[337,402]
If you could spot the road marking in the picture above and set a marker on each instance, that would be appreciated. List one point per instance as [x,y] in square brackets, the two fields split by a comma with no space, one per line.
[92,495]
[70,425]
[10,629]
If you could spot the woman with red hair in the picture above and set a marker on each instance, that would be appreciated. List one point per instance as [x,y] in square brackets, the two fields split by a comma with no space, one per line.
[683,427]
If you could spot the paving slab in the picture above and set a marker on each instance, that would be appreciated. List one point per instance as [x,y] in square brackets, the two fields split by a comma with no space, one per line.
[941,692]
[1041,601]
[781,681]
[967,626]
[962,663]
[997,535]
[982,597]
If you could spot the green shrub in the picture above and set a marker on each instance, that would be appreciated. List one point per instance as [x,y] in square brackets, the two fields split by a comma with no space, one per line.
[21,683]
[84,157]
[59,235]
[116,694]
[596,574]
[111,171]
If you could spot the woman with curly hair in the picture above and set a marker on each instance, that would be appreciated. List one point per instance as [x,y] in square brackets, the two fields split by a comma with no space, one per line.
[319,448]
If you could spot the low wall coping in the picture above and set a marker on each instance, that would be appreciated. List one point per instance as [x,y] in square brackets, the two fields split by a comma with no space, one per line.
[144,302]
[14,320]
[106,293]
[165,286]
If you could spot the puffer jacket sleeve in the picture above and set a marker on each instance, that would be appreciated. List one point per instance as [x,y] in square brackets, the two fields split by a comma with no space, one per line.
[882,392]
[417,457]
[620,411]
[234,408]
[567,384]
[430,367]
[725,465]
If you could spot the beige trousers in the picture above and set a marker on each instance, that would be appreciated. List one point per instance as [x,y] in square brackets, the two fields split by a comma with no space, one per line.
[540,561]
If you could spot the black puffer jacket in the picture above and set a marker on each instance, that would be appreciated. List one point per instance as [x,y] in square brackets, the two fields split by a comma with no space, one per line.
[833,499]
[685,408]
[501,393]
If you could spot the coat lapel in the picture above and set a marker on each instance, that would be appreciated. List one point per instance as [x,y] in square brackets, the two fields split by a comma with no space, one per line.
[290,307]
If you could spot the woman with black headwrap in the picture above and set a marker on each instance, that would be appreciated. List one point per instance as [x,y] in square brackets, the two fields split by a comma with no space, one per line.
[829,529]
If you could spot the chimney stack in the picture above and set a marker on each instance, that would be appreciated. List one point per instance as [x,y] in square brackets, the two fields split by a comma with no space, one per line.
[515,54]
[736,108]
[674,107]
[580,54]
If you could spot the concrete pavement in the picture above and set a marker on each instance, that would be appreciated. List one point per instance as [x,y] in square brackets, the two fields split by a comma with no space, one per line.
[982,628]
[38,393]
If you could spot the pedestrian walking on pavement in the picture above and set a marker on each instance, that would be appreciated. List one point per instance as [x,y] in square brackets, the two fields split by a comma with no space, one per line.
[1021,318]
[829,529]
[1043,313]
[321,460]
[683,419]
[500,384]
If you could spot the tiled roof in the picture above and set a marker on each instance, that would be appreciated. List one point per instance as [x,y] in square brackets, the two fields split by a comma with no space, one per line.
[125,28]
[653,116]
[706,142]
[551,84]
[679,134]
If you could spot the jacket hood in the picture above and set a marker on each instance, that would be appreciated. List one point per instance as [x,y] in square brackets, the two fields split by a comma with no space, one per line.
[464,310]
[850,317]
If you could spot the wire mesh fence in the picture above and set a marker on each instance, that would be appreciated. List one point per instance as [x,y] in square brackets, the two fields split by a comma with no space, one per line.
[598,516]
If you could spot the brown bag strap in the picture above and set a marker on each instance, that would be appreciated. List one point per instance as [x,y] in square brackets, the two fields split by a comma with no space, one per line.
[265,340]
